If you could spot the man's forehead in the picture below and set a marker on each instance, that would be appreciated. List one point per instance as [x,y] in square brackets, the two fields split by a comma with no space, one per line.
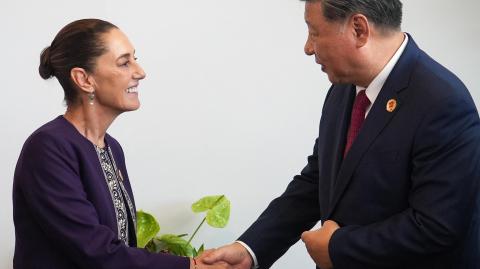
[312,10]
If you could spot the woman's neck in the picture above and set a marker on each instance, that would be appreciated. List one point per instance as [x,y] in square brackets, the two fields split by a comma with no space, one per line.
[90,121]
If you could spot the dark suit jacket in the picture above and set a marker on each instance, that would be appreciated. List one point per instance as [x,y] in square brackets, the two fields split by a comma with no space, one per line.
[62,207]
[407,193]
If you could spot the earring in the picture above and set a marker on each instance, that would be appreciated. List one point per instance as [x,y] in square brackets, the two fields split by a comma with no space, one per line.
[91,97]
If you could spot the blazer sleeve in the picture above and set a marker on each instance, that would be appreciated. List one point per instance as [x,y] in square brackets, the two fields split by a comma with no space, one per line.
[54,193]
[286,217]
[445,171]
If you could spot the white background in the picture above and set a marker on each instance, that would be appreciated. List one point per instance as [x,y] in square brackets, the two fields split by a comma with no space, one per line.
[230,105]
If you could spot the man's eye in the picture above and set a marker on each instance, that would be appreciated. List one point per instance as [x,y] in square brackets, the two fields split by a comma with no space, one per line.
[312,36]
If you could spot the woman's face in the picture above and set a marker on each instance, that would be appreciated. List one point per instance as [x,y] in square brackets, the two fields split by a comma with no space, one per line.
[117,74]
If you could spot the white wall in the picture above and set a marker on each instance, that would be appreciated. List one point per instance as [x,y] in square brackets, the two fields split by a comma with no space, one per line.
[230,105]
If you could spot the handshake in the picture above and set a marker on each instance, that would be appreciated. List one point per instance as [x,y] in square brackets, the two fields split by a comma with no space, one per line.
[233,256]
[236,256]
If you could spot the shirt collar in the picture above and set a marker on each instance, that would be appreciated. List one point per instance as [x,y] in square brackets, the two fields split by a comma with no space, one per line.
[376,85]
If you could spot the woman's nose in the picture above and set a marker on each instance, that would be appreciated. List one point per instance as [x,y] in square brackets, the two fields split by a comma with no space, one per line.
[139,72]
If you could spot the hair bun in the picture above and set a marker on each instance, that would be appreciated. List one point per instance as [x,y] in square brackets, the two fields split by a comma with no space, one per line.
[45,68]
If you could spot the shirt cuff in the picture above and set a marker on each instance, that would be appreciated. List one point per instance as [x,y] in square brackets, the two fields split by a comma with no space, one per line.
[250,251]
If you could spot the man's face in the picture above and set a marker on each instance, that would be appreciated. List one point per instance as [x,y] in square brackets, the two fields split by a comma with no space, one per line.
[332,44]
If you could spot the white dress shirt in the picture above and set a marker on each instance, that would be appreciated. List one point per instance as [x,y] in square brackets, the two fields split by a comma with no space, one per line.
[376,85]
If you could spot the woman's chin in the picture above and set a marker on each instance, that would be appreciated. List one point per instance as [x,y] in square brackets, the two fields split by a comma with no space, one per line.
[131,106]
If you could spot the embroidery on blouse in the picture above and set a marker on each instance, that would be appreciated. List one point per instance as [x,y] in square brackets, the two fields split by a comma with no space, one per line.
[116,188]
[125,193]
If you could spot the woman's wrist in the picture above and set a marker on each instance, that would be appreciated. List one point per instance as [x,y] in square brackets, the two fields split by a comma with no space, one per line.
[193,263]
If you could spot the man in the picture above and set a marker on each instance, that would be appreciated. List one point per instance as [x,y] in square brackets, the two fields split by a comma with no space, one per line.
[395,169]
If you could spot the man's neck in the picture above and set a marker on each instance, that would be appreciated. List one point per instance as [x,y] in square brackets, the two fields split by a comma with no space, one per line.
[379,52]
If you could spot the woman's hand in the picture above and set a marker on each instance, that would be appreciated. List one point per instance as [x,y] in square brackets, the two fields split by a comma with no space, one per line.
[198,264]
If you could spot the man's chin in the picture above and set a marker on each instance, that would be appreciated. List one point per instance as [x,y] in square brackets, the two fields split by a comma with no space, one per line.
[338,80]
[333,79]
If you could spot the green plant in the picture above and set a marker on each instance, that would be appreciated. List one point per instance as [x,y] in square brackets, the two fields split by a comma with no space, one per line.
[217,210]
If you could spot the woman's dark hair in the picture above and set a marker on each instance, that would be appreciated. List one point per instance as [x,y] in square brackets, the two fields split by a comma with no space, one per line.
[78,44]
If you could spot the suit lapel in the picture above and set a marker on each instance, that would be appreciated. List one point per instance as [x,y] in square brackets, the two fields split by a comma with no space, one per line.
[377,119]
[335,122]
[343,119]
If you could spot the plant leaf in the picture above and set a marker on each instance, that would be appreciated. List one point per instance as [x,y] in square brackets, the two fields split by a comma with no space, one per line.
[147,228]
[205,203]
[174,245]
[219,215]
[151,246]
[158,246]
[217,207]
[200,250]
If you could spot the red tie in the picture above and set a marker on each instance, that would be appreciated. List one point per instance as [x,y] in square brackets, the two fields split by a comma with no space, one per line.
[358,117]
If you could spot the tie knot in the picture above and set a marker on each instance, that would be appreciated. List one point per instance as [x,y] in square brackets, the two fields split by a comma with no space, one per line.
[361,100]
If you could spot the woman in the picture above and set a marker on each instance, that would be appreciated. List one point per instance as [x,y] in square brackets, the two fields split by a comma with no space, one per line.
[73,204]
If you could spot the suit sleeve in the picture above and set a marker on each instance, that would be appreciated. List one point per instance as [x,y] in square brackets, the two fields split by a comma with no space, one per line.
[444,186]
[286,217]
[54,193]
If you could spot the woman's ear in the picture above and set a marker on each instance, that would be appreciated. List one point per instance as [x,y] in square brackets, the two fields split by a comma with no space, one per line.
[361,29]
[82,79]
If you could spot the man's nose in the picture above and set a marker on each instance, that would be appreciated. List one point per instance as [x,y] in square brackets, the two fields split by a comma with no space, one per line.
[309,47]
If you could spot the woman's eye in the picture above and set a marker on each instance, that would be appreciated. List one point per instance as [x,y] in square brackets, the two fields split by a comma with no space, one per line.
[124,64]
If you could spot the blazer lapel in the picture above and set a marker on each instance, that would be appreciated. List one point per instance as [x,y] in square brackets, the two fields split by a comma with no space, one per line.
[377,119]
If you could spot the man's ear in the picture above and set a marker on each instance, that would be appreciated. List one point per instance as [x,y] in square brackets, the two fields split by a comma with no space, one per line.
[82,79]
[361,29]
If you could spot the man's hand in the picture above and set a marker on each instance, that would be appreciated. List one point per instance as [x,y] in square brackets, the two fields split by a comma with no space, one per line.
[317,243]
[234,254]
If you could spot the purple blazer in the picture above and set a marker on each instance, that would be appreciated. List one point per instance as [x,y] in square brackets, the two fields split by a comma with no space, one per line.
[62,207]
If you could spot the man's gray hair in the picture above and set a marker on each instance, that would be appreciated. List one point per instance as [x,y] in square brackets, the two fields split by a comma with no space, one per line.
[385,14]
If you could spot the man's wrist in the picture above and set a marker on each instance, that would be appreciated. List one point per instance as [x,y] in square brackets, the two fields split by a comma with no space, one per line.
[251,253]
[332,254]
